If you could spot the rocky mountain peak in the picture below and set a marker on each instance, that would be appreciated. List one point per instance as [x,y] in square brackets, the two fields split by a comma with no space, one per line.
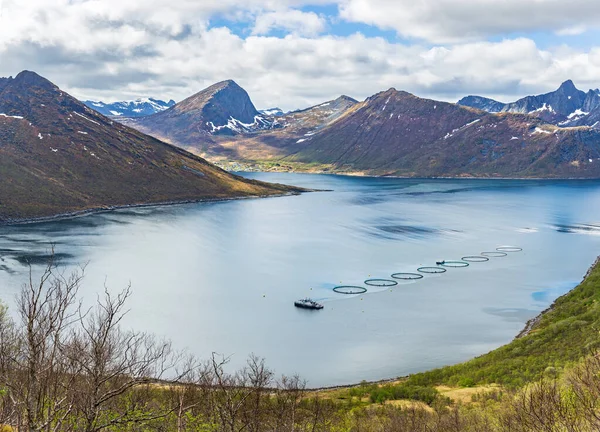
[346,99]
[568,87]
[28,79]
[33,96]
[556,107]
[385,97]
[219,103]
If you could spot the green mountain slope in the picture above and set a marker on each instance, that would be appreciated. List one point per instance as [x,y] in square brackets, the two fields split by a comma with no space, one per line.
[564,334]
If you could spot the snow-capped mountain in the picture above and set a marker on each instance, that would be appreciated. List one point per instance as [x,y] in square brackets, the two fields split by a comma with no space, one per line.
[136,108]
[565,107]
[272,112]
[221,109]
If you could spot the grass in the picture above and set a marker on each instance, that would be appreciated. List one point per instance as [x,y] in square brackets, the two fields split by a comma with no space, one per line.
[563,335]
[560,337]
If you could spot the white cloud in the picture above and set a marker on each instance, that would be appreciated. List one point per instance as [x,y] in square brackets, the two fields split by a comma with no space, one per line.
[292,20]
[116,49]
[442,21]
[572,31]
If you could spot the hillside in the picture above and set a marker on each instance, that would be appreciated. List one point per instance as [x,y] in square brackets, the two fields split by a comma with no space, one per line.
[397,133]
[58,156]
[562,335]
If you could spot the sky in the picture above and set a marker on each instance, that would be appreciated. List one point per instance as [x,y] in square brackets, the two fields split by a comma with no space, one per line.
[296,53]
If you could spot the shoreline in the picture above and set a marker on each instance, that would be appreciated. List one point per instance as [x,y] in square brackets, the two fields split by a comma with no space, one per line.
[529,326]
[108,209]
[358,174]
[406,177]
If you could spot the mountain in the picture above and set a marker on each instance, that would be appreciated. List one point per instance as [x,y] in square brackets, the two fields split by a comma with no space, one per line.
[136,108]
[393,133]
[4,82]
[58,156]
[216,122]
[550,106]
[287,133]
[273,112]
[567,106]
[397,133]
[482,103]
[222,109]
[314,118]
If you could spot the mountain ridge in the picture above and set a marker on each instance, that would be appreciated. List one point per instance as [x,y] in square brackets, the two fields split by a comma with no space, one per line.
[566,106]
[396,133]
[423,137]
[58,156]
[135,108]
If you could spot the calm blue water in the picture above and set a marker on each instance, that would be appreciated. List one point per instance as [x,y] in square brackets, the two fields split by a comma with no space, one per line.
[222,277]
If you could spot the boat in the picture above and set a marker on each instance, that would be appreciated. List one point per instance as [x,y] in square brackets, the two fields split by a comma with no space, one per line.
[308,304]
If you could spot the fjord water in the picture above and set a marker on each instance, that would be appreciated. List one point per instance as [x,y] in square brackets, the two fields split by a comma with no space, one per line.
[222,277]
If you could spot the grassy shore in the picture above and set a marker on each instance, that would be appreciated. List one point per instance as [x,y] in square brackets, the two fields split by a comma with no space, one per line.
[557,339]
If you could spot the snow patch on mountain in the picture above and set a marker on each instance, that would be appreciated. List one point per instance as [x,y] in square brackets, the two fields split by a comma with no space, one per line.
[88,119]
[12,116]
[272,112]
[544,107]
[238,127]
[450,134]
[577,113]
[538,130]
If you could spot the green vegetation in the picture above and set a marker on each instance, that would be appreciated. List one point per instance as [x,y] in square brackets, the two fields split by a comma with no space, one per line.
[566,333]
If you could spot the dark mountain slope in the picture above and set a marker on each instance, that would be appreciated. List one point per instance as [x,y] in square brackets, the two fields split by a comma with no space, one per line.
[222,109]
[58,156]
[482,103]
[396,133]
[4,82]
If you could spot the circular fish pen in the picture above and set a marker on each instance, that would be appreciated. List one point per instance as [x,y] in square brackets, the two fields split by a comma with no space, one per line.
[455,264]
[349,290]
[407,276]
[509,249]
[494,254]
[475,259]
[432,270]
[382,283]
